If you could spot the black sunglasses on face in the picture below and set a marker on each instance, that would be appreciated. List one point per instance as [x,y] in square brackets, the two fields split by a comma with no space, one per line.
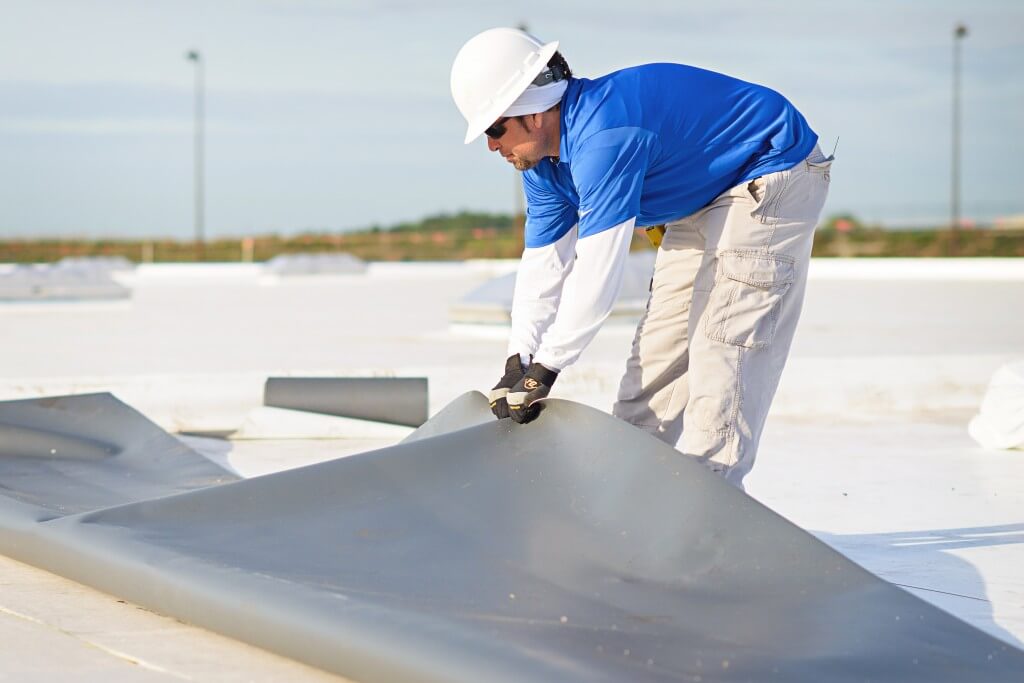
[498,128]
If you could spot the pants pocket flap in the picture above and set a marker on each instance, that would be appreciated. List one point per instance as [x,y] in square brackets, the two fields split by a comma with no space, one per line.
[757,269]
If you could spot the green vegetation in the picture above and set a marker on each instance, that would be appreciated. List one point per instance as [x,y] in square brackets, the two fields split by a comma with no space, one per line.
[845,236]
[480,235]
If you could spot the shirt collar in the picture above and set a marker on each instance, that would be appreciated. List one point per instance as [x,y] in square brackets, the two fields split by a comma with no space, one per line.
[563,142]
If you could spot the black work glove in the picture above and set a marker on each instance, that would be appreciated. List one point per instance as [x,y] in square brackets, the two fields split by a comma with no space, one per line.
[497,397]
[524,399]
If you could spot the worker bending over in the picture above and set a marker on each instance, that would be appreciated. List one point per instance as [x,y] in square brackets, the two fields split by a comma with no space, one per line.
[731,171]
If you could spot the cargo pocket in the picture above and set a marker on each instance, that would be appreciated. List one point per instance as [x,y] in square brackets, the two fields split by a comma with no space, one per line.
[744,302]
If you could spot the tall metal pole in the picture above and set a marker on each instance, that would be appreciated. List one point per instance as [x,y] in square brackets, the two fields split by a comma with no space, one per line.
[199,217]
[959,32]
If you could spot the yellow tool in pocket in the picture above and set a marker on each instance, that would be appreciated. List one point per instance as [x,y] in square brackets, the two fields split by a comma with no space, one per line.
[655,233]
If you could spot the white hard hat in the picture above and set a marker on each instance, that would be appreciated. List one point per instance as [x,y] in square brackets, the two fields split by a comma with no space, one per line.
[492,70]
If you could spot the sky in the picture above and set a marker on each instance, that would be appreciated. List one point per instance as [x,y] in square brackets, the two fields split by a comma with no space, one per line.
[332,115]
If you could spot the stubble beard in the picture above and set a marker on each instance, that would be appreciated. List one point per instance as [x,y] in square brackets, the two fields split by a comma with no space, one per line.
[522,164]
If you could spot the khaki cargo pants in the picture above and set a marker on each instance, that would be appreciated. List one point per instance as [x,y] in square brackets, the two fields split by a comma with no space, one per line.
[728,286]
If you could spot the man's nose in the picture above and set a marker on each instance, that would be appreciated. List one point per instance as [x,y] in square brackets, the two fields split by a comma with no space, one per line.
[492,144]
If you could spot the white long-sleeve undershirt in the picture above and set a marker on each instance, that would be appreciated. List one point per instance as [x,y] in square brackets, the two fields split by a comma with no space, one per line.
[538,290]
[560,302]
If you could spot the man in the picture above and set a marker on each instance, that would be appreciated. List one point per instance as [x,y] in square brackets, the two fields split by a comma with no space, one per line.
[731,175]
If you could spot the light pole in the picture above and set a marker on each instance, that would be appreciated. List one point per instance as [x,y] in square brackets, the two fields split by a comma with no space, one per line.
[194,56]
[959,33]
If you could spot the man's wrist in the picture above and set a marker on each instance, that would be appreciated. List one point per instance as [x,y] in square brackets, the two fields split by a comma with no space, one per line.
[540,358]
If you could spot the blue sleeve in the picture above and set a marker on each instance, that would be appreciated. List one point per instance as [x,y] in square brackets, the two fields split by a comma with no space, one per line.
[549,214]
[608,170]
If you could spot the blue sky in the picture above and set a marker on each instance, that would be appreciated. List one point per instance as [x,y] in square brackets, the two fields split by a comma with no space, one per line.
[333,114]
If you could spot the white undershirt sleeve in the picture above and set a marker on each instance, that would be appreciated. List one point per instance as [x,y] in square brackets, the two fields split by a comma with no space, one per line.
[539,279]
[588,295]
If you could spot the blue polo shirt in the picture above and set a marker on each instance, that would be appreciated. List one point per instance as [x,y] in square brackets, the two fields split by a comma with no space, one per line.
[657,142]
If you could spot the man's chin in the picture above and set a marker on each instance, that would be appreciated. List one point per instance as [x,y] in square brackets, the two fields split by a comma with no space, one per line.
[521,164]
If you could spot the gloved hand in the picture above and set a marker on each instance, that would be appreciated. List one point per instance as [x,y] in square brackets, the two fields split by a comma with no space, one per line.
[534,385]
[497,397]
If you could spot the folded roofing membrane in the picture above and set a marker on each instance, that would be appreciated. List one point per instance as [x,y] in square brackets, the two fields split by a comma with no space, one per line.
[71,454]
[574,548]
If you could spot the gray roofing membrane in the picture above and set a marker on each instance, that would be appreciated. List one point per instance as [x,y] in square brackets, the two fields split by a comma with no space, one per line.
[573,548]
[103,264]
[315,264]
[60,282]
[395,400]
[73,454]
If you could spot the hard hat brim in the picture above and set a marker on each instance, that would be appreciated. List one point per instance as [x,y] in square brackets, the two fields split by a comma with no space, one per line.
[478,126]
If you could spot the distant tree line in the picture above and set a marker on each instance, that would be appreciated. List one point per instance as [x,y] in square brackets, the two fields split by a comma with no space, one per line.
[466,235]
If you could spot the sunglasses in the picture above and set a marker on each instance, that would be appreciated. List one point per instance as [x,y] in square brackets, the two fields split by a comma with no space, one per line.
[498,128]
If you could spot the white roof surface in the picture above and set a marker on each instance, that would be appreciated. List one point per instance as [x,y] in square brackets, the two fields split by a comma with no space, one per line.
[866,447]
